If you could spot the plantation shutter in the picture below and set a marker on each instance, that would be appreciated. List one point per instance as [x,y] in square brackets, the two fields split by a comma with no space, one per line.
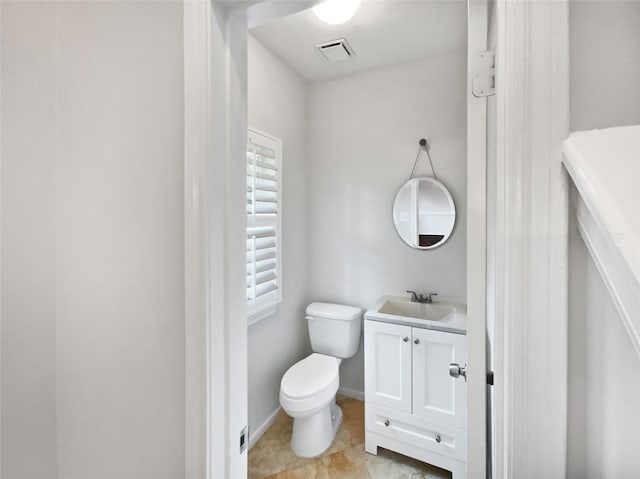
[263,222]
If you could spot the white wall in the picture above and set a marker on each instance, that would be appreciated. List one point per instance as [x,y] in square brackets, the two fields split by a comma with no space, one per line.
[604,378]
[277,105]
[92,240]
[605,63]
[363,139]
[28,227]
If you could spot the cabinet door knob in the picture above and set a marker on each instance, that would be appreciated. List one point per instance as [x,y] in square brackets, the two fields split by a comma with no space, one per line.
[386,423]
[438,438]
[405,339]
[416,341]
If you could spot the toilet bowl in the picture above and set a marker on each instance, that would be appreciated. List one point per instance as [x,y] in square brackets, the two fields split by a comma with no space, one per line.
[308,388]
[307,394]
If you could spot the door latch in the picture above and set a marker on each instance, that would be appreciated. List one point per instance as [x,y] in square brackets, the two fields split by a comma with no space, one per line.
[455,371]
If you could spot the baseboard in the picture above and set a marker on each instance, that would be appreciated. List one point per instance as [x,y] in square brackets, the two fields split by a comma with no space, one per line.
[351,393]
[254,436]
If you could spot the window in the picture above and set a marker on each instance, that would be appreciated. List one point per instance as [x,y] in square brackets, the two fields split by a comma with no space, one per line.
[264,219]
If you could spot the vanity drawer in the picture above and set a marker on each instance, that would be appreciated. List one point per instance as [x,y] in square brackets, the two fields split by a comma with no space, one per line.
[447,440]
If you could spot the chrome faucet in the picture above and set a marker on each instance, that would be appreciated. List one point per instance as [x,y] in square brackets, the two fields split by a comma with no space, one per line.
[418,298]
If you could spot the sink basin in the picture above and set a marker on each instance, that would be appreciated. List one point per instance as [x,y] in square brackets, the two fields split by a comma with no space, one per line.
[440,316]
[408,309]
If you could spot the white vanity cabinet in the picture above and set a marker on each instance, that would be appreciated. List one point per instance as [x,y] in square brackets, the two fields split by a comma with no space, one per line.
[412,405]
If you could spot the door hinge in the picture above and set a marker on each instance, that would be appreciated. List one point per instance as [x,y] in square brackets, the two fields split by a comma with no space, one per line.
[490,378]
[244,434]
[483,82]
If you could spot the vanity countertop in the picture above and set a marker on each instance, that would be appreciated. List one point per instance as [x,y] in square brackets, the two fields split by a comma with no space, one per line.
[454,322]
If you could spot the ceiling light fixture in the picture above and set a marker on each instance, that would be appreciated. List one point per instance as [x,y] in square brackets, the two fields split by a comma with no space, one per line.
[336,12]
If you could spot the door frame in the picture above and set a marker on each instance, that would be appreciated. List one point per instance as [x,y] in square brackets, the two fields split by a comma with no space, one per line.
[531,231]
[530,350]
[215,134]
[478,33]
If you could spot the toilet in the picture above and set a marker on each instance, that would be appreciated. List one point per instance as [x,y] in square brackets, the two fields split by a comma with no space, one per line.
[308,388]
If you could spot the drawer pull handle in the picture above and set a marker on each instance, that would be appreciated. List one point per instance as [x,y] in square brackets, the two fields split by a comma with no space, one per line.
[386,423]
[405,339]
[417,341]
[438,438]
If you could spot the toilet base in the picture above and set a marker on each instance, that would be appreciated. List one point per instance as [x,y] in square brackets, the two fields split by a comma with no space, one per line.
[312,435]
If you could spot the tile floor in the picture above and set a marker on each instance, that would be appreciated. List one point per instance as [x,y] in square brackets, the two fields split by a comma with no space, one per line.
[272,458]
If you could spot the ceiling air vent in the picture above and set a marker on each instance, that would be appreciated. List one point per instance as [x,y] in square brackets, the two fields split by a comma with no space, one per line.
[336,50]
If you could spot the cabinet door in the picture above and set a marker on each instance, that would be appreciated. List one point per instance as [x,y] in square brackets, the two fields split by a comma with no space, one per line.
[436,395]
[387,364]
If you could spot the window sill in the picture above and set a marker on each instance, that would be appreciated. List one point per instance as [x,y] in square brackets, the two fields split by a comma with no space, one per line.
[260,314]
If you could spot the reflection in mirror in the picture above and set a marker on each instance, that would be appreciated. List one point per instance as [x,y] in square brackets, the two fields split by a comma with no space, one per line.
[424,213]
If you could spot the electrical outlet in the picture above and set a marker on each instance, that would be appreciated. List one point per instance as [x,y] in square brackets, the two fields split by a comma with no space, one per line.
[244,438]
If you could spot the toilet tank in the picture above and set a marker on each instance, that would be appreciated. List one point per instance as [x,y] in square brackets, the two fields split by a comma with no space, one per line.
[334,329]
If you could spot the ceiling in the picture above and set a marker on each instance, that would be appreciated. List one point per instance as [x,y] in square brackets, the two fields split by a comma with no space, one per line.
[381,33]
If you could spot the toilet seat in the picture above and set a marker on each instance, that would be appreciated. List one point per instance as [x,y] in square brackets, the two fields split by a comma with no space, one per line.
[310,384]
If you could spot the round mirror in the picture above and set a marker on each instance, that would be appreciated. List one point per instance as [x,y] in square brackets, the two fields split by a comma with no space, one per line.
[423,213]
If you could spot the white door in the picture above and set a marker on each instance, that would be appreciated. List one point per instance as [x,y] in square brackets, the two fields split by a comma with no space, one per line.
[476,248]
[387,364]
[437,397]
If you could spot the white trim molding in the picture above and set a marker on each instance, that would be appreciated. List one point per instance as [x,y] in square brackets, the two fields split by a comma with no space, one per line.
[531,230]
[254,436]
[215,229]
[606,212]
[351,393]
[197,144]
[476,463]
[621,284]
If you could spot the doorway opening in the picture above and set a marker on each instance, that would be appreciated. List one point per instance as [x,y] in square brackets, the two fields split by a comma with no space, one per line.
[318,226]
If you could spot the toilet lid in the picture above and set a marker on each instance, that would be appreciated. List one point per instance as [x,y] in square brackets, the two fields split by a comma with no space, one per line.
[309,376]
